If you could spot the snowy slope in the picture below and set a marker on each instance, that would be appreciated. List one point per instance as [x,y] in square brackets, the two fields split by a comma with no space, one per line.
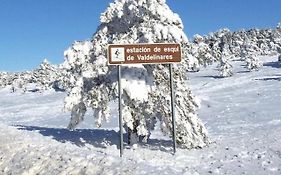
[242,114]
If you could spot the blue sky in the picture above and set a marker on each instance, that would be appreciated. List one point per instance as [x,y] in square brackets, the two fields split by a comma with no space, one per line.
[31,30]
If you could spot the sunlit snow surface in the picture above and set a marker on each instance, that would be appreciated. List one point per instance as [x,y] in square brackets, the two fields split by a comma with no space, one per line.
[242,114]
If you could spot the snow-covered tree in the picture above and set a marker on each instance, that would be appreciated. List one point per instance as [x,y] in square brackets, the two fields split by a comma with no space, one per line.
[191,62]
[248,53]
[279,54]
[4,76]
[224,66]
[75,58]
[46,75]
[19,84]
[15,80]
[145,87]
[201,51]
[253,62]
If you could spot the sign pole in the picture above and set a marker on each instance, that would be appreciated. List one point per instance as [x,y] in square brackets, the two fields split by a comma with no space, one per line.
[173,106]
[120,111]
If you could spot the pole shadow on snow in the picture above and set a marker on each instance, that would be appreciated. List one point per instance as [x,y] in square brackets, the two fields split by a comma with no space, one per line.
[97,137]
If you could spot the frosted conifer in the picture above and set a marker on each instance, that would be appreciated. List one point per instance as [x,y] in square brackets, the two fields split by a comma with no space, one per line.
[45,75]
[4,78]
[146,94]
[279,54]
[253,63]
[202,51]
[225,67]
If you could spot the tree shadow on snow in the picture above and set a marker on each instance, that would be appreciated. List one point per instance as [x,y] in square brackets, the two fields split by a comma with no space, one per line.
[269,78]
[96,137]
[273,64]
[79,137]
[33,90]
[213,76]
[243,71]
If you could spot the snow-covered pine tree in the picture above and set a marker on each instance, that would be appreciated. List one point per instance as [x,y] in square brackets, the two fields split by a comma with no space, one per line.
[279,54]
[278,41]
[191,62]
[201,51]
[18,83]
[46,75]
[145,87]
[3,79]
[249,55]
[75,58]
[253,62]
[224,66]
[235,44]
[6,79]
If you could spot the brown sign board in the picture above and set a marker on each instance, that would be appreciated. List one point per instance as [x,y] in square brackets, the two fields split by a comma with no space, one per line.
[159,53]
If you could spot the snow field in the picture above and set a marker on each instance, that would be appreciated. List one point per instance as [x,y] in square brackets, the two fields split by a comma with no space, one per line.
[241,112]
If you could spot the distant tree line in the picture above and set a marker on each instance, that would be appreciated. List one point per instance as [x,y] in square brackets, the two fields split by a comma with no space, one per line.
[224,45]
[46,76]
[221,47]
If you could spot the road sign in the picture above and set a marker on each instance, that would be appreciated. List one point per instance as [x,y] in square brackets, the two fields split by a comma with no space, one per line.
[144,53]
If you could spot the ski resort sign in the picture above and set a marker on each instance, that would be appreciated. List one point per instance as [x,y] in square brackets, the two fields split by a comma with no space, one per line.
[144,53]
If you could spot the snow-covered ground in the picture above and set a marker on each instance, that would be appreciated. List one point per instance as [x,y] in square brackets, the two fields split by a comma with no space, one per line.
[242,114]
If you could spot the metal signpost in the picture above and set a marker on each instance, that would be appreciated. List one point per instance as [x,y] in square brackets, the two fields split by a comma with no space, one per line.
[164,53]
[120,111]
[173,106]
